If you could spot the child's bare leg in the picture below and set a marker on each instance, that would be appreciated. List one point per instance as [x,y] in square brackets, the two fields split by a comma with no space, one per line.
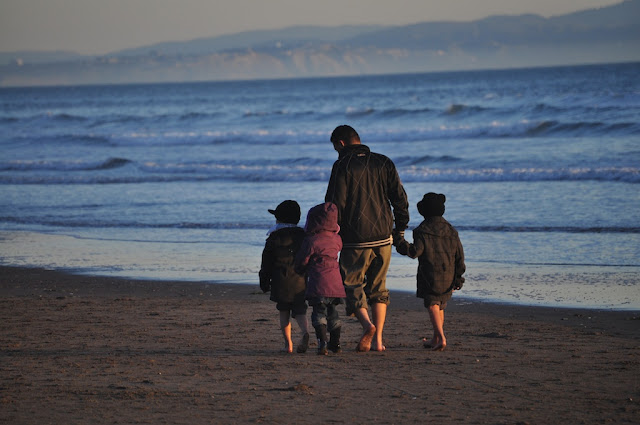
[285,325]
[379,315]
[303,323]
[304,328]
[436,335]
[437,321]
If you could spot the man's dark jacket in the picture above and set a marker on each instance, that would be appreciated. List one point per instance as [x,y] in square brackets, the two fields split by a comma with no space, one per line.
[369,194]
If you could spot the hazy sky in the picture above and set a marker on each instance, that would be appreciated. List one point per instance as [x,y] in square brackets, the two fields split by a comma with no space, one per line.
[102,26]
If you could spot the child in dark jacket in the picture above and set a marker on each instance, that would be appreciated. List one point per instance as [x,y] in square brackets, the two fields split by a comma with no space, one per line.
[277,272]
[318,258]
[441,262]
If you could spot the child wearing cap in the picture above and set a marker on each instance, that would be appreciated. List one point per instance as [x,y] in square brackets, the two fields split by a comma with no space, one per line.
[277,272]
[437,246]
[318,259]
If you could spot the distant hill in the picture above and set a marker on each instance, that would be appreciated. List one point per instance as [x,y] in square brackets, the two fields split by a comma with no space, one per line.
[290,36]
[7,58]
[620,22]
[608,34]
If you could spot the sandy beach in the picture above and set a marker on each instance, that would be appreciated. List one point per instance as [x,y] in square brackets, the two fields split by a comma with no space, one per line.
[93,350]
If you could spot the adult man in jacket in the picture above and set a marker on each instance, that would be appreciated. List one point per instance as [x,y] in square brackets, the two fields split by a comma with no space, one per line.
[370,197]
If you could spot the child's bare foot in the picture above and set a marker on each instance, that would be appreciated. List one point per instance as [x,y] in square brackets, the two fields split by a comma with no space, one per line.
[428,344]
[440,346]
[365,342]
[376,347]
[288,347]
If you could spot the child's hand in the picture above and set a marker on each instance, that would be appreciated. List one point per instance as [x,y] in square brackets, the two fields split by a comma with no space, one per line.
[398,236]
[403,248]
[265,286]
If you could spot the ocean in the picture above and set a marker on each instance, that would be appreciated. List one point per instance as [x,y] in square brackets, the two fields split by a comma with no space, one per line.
[540,166]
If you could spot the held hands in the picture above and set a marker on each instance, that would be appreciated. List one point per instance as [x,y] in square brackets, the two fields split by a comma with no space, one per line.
[398,236]
[402,246]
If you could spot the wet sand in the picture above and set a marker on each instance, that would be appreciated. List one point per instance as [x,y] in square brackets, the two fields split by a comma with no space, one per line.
[93,350]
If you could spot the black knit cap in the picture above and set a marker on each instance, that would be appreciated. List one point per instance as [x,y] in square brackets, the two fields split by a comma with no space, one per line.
[432,204]
[287,212]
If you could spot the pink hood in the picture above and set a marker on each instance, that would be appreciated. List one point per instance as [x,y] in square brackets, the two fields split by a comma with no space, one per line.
[323,217]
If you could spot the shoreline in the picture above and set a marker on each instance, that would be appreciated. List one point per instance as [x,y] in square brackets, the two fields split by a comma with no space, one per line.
[65,284]
[86,349]
[461,297]
[571,286]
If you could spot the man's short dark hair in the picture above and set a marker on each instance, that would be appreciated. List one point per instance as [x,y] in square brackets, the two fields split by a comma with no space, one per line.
[345,133]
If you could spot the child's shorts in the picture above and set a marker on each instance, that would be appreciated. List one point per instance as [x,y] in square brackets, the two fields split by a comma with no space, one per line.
[428,303]
[296,308]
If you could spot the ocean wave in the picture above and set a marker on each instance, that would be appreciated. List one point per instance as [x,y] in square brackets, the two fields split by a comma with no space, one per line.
[191,116]
[9,120]
[62,166]
[66,117]
[289,170]
[355,112]
[82,139]
[279,112]
[457,109]
[116,120]
[524,128]
[546,128]
[111,163]
[498,129]
[75,222]
[371,131]
[424,160]
[106,224]
[497,174]
[423,131]
[551,229]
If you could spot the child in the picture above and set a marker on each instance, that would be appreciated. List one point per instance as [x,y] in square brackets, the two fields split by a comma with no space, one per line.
[278,275]
[318,257]
[441,262]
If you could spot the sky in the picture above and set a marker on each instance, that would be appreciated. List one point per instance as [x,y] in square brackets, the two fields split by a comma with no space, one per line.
[103,26]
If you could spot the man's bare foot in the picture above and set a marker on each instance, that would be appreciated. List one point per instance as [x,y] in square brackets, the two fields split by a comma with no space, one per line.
[365,342]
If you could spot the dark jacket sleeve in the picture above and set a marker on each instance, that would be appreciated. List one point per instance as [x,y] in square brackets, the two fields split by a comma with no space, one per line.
[266,267]
[413,250]
[398,199]
[460,267]
[337,189]
[302,257]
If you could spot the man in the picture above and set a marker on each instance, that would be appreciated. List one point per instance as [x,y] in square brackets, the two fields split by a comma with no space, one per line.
[370,197]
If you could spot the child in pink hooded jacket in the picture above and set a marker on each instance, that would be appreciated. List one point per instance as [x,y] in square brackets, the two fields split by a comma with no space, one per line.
[318,258]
